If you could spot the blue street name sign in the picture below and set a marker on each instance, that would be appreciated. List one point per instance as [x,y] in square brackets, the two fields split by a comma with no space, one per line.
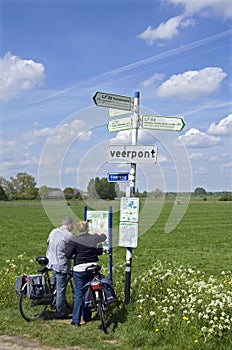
[118,177]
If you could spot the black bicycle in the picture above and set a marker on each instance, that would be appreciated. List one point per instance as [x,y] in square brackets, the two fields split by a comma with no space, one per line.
[32,307]
[98,293]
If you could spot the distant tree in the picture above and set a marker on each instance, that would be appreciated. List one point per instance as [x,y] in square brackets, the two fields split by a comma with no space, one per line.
[43,192]
[68,193]
[3,196]
[91,189]
[144,194]
[24,186]
[226,196]
[77,193]
[200,191]
[101,188]
[20,187]
[157,193]
[9,187]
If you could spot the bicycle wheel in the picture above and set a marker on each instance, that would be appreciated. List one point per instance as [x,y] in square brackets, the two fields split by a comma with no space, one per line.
[101,315]
[69,299]
[28,308]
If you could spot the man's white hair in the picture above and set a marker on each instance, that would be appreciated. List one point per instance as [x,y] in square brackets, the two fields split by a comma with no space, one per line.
[67,221]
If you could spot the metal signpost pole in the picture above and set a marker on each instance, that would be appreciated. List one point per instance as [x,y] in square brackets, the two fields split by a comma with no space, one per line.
[110,224]
[135,125]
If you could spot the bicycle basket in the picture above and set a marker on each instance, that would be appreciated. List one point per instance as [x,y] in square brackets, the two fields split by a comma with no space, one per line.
[35,286]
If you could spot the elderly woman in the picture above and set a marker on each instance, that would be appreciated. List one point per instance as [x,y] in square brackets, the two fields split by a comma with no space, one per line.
[84,249]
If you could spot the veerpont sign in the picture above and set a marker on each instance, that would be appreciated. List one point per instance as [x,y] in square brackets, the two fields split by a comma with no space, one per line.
[132,154]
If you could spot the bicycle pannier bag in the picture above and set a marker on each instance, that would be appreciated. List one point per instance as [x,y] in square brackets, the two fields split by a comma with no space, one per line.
[107,286]
[18,284]
[35,286]
[87,295]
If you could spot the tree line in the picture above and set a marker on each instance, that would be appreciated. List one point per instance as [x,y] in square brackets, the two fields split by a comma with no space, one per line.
[23,187]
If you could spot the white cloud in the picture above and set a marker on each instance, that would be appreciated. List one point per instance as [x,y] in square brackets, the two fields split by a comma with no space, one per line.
[152,80]
[201,171]
[172,27]
[192,84]
[63,133]
[196,155]
[163,159]
[39,132]
[17,75]
[226,166]
[218,158]
[125,137]
[69,132]
[219,7]
[198,139]
[71,170]
[224,127]
[7,143]
[166,30]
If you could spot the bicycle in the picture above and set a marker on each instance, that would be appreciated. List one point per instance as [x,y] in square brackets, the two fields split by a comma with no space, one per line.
[97,293]
[32,309]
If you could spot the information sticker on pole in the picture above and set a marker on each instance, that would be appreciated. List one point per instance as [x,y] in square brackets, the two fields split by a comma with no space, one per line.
[128,234]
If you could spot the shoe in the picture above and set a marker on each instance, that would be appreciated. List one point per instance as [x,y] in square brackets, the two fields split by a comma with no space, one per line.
[63,317]
[75,324]
[85,321]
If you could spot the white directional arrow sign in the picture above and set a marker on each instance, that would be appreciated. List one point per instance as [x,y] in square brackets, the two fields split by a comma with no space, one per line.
[119,124]
[104,99]
[116,112]
[162,123]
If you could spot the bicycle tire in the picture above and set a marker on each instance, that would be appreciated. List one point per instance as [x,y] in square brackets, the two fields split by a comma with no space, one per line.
[101,315]
[28,308]
[69,298]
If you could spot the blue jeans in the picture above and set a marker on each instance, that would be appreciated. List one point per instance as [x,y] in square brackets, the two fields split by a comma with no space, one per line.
[61,281]
[80,279]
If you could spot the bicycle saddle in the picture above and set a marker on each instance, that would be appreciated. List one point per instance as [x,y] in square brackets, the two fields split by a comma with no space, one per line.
[42,260]
[93,268]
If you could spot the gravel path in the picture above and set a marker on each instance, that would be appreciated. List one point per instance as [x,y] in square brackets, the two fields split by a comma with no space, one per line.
[17,343]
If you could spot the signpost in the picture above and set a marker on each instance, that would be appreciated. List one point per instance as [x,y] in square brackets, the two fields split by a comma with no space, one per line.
[132,154]
[119,124]
[162,123]
[104,99]
[118,177]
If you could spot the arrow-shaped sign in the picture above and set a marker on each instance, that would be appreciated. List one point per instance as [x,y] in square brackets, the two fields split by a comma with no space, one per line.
[119,124]
[104,99]
[117,112]
[162,123]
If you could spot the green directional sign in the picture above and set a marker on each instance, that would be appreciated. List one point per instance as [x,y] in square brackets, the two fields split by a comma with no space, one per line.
[162,123]
[119,124]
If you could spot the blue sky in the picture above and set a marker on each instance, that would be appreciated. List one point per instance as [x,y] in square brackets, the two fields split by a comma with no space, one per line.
[54,56]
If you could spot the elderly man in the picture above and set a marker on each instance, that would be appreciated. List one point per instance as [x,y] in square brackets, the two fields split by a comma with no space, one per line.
[58,242]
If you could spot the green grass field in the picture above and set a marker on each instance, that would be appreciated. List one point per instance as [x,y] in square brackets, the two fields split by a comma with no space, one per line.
[176,280]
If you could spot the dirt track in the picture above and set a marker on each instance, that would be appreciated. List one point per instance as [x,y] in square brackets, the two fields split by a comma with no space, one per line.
[17,343]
